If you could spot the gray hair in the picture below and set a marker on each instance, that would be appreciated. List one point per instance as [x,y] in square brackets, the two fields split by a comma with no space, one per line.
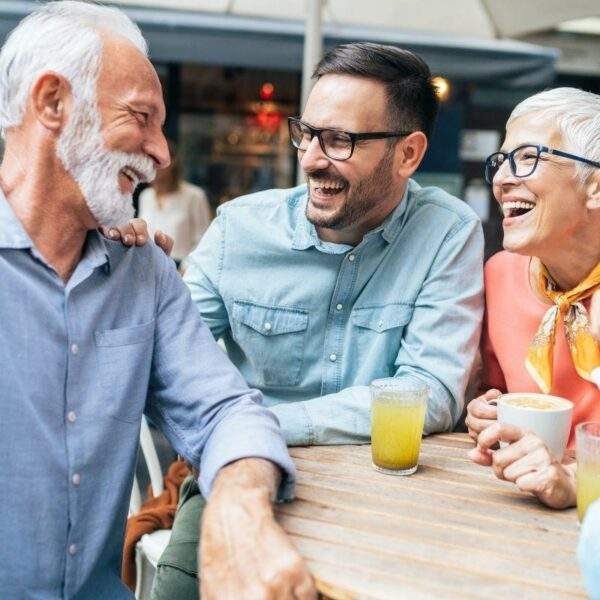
[575,114]
[65,37]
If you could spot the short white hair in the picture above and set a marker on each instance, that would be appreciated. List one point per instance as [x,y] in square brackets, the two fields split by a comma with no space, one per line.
[64,36]
[575,114]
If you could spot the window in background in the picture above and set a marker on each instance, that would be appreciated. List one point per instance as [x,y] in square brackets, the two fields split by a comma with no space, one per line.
[232,129]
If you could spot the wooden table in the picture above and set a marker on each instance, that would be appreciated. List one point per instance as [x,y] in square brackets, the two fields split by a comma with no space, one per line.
[451,530]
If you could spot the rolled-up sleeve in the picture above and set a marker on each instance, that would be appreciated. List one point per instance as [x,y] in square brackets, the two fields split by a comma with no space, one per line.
[199,399]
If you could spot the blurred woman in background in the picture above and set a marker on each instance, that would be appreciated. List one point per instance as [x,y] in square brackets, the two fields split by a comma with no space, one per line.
[176,207]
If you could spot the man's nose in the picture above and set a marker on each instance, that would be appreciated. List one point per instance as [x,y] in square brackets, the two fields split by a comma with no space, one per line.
[313,158]
[157,149]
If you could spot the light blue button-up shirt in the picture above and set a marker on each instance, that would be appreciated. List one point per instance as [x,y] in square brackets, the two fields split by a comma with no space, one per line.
[78,365]
[312,323]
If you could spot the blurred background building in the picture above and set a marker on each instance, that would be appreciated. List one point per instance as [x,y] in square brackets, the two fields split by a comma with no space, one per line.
[232,74]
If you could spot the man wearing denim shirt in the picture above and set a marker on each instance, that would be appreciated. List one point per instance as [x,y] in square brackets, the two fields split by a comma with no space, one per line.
[93,334]
[361,274]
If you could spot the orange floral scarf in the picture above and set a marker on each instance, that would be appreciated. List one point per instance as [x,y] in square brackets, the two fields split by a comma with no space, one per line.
[584,348]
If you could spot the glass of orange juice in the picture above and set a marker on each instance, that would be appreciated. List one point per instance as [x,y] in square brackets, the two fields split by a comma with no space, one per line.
[397,417]
[588,465]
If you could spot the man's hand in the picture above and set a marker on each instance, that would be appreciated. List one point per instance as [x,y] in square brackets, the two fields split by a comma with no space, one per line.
[244,553]
[528,463]
[481,414]
[136,233]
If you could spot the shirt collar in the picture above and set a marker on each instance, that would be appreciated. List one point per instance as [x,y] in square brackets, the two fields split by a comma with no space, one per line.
[12,234]
[305,233]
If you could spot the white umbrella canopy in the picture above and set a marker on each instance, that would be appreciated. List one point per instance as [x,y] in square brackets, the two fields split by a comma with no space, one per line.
[473,18]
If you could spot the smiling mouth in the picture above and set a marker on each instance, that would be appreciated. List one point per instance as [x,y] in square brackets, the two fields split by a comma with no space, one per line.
[133,176]
[328,188]
[516,209]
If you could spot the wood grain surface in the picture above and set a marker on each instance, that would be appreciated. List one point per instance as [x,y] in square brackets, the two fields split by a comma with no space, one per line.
[451,530]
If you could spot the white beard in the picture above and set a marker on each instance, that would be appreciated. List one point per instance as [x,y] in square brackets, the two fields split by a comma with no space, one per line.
[95,169]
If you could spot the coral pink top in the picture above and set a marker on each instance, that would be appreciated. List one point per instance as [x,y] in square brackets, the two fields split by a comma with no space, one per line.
[513,314]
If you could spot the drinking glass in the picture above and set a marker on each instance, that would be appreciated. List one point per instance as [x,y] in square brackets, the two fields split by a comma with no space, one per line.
[587,437]
[397,417]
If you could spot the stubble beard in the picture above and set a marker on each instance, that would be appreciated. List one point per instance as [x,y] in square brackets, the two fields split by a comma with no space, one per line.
[362,199]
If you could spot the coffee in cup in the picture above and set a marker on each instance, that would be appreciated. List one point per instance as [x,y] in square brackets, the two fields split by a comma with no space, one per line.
[549,417]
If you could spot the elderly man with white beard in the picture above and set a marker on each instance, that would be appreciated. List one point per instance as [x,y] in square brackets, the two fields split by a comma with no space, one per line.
[94,334]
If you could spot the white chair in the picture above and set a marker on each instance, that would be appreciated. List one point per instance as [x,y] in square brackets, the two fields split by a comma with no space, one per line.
[150,547]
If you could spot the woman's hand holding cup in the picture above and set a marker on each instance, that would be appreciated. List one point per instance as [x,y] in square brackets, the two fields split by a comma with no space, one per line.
[481,414]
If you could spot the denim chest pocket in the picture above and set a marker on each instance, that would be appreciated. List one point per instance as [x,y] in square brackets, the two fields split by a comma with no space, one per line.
[379,333]
[273,339]
[124,359]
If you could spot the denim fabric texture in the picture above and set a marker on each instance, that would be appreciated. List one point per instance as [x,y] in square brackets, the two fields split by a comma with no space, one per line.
[312,323]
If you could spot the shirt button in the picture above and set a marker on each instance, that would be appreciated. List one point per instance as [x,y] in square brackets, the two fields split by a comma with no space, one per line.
[71,416]
[268,326]
[351,257]
[332,357]
[74,348]
[380,324]
[72,549]
[76,479]
[339,307]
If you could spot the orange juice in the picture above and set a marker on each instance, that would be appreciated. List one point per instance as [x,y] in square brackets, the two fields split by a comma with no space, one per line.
[396,431]
[588,485]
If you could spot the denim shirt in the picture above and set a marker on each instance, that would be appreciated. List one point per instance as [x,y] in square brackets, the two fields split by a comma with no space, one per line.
[79,363]
[312,323]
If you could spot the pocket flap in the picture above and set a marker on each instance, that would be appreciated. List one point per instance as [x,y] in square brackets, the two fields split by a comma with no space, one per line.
[125,336]
[382,318]
[270,320]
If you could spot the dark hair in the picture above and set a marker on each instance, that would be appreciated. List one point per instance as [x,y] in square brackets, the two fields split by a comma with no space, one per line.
[411,95]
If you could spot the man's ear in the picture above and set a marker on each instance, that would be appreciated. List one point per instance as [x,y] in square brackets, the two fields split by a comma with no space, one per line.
[593,192]
[50,97]
[409,153]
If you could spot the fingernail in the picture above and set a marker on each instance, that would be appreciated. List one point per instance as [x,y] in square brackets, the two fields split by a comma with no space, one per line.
[113,234]
[127,239]
[141,239]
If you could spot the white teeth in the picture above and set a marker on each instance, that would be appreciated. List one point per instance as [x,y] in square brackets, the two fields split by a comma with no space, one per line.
[507,207]
[131,174]
[327,185]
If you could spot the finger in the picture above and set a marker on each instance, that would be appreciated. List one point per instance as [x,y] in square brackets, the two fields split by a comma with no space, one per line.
[306,589]
[164,242]
[126,233]
[539,459]
[515,451]
[480,456]
[484,407]
[499,432]
[476,425]
[140,231]
[110,233]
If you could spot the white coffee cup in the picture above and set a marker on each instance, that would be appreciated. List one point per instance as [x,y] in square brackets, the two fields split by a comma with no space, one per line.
[550,420]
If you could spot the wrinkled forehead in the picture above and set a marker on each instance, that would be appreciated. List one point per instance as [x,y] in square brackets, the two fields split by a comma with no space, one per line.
[124,67]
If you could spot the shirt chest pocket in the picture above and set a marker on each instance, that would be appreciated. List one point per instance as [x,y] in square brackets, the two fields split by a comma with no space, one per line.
[272,339]
[379,334]
[124,359]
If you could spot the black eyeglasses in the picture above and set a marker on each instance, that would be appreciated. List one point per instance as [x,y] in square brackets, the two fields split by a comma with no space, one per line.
[523,160]
[335,143]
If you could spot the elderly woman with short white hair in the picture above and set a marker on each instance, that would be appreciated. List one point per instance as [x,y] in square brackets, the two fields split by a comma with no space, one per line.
[537,334]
